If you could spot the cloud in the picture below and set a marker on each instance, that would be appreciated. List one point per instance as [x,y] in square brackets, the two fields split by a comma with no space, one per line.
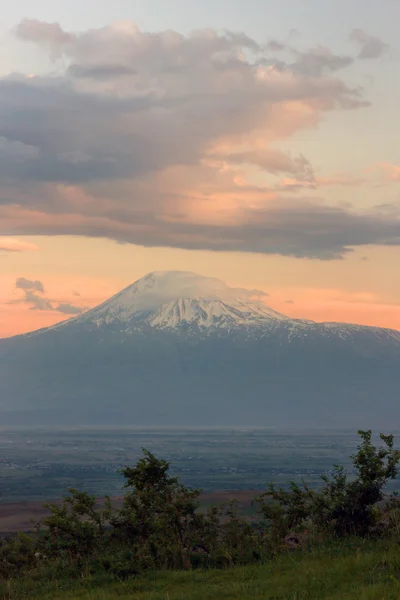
[148,138]
[289,302]
[50,34]
[314,62]
[273,161]
[130,102]
[14,245]
[34,296]
[371,46]
[392,172]
[276,46]
[28,284]
[290,227]
[314,182]
[37,302]
[68,309]
[318,61]
[186,284]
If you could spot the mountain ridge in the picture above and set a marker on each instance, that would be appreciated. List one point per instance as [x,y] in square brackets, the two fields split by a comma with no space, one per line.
[178,350]
[167,299]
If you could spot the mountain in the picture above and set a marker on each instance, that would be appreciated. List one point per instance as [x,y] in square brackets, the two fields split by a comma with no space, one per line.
[178,349]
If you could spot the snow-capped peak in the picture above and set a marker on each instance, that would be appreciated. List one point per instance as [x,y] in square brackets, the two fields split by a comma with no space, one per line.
[210,313]
[165,299]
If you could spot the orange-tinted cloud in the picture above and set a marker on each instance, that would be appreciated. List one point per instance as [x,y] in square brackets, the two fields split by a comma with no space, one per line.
[137,107]
[15,245]
[337,179]
[391,171]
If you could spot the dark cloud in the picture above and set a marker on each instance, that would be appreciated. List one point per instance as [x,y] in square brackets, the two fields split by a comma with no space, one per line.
[37,302]
[68,309]
[276,46]
[100,71]
[319,61]
[292,227]
[371,46]
[314,62]
[28,284]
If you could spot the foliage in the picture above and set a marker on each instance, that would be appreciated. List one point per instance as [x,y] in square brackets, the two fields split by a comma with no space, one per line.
[16,555]
[74,529]
[159,518]
[343,506]
[160,526]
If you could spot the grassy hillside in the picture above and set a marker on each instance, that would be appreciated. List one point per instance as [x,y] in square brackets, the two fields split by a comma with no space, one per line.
[352,569]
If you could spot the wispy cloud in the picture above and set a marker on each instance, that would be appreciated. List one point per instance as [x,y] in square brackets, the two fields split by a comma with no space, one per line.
[370,46]
[391,172]
[34,296]
[27,284]
[14,245]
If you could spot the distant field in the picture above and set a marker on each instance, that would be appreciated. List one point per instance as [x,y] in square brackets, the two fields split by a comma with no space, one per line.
[22,516]
[40,464]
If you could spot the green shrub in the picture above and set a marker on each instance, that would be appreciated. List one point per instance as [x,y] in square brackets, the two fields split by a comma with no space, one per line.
[17,554]
[343,507]
[74,529]
[160,527]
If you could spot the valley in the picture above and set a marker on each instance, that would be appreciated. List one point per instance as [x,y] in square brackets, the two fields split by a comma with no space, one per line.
[39,465]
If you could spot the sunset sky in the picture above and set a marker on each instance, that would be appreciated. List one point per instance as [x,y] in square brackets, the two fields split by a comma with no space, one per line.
[254,141]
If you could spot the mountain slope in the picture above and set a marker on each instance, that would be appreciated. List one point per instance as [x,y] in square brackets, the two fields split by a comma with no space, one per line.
[175,348]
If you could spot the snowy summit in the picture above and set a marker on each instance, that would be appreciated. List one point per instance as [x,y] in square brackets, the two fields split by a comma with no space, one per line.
[168,299]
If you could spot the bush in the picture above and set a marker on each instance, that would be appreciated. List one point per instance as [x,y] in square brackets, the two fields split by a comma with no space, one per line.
[17,554]
[342,507]
[75,529]
[160,526]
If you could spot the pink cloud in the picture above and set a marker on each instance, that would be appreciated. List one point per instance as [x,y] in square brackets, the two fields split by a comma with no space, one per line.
[16,245]
[337,179]
[392,172]
[165,138]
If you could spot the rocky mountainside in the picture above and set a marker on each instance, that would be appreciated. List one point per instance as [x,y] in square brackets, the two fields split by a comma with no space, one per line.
[176,348]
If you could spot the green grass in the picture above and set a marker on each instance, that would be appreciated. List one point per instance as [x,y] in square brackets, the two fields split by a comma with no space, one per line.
[352,570]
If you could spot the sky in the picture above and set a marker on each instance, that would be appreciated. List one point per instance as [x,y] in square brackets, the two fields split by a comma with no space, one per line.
[255,141]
